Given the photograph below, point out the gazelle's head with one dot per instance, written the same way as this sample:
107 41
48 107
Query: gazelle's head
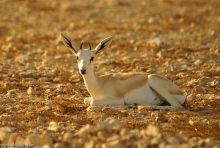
85 56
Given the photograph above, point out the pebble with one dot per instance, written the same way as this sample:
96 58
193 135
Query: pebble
4 134
191 122
153 131
12 92
198 62
53 126
39 140
156 42
31 91
68 137
84 130
115 123
13 138
41 119
163 54
199 89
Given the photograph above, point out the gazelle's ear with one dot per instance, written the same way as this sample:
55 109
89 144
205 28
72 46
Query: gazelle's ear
68 43
103 44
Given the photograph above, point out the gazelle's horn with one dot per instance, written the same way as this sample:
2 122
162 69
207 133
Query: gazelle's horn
81 44
90 47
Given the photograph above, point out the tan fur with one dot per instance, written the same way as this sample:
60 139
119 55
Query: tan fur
171 87
124 82
121 76
176 92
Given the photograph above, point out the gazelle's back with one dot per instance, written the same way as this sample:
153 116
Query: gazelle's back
123 83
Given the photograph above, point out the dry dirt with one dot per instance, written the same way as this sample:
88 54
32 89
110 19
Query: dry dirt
41 91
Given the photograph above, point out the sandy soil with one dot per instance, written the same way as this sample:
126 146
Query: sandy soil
41 91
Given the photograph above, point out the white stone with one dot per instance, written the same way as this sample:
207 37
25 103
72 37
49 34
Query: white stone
31 91
53 126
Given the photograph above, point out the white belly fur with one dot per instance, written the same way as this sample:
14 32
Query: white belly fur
142 95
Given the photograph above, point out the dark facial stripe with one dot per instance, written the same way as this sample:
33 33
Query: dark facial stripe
103 45
67 42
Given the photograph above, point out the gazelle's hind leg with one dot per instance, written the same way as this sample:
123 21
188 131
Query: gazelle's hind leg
169 91
180 98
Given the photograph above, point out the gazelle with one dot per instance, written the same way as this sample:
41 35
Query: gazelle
122 89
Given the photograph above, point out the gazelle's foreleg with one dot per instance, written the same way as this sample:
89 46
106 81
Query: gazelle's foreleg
107 101
162 86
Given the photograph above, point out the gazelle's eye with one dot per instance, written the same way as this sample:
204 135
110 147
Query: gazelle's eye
77 58
92 58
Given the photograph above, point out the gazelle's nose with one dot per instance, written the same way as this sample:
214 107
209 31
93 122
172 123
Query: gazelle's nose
83 71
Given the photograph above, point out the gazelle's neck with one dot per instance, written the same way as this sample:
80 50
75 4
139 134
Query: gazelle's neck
91 82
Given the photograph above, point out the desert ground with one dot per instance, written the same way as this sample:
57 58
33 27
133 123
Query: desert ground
41 90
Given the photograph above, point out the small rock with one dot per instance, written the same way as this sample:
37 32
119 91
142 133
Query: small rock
68 137
39 140
102 124
199 89
61 88
164 54
90 144
214 83
57 79
58 145
33 139
20 140
113 138
198 62
13 138
41 119
174 140
31 91
191 122
115 123
43 79
115 143
47 91
192 82
47 139
151 20
204 80
49 107
155 141
12 92
4 134
53 126
156 42
132 41
153 131
10 39
84 130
